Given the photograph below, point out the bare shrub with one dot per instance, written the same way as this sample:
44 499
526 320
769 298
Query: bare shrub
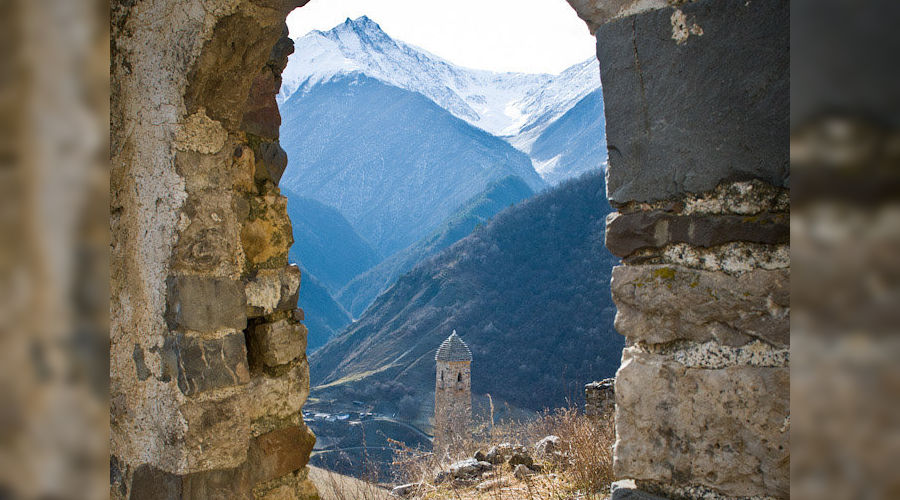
582 467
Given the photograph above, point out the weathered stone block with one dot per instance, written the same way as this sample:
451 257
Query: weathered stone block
695 96
218 484
217 433
277 343
279 452
205 304
274 399
270 290
294 486
203 364
150 483
724 429
267 235
658 304
627 233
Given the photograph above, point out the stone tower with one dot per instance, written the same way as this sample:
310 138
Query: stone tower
452 392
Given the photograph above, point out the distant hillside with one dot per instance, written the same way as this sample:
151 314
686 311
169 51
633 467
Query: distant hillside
324 316
573 144
325 243
362 290
529 293
393 162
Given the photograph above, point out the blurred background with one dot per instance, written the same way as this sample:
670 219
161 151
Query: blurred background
54 171
845 242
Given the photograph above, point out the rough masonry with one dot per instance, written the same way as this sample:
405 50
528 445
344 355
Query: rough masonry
696 96
208 363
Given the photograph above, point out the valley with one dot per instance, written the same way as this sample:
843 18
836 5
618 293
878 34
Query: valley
426 197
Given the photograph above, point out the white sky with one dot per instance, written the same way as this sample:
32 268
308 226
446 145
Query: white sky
531 36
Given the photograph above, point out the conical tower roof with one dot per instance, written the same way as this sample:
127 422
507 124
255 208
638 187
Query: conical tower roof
453 349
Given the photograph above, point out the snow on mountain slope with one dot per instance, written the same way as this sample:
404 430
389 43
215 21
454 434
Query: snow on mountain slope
503 104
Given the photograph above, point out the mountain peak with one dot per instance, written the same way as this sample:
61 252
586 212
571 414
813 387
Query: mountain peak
362 23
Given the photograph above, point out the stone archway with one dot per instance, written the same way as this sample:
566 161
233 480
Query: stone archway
208 370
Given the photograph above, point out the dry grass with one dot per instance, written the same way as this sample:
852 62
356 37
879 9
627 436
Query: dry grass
334 486
582 469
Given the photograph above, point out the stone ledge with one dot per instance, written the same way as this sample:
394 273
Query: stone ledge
658 304
627 233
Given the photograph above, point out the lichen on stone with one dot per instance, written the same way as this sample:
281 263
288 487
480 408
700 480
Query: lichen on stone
200 133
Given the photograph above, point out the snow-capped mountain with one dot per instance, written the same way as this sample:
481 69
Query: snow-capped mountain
515 106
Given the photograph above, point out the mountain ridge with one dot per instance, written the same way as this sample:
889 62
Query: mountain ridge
362 290
503 104
392 162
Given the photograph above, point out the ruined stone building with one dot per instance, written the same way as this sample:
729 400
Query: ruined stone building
208 370
452 391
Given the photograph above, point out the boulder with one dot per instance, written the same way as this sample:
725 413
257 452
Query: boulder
522 471
469 468
548 445
501 452
405 490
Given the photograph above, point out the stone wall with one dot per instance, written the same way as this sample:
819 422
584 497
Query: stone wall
600 398
208 367
696 97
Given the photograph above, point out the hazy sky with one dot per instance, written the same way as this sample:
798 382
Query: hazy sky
533 36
